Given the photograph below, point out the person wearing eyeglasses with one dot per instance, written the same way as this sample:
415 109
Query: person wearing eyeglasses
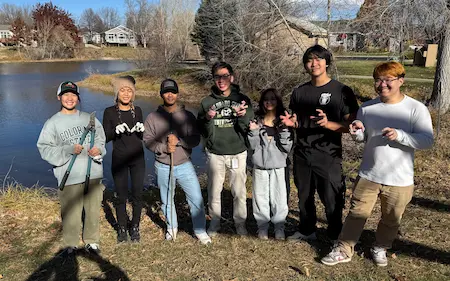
392 126
224 117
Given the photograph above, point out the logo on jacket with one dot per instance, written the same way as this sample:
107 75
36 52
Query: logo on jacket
324 98
226 112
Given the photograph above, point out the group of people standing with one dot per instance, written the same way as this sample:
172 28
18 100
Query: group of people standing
320 111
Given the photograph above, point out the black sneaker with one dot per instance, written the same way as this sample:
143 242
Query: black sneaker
92 248
122 235
134 233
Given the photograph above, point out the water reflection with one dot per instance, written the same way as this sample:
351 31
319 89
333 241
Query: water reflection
28 99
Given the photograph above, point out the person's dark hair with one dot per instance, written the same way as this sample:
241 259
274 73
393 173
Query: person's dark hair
261 112
221 64
129 78
317 51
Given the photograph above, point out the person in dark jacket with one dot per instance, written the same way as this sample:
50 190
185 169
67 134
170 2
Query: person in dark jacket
123 124
223 119
171 133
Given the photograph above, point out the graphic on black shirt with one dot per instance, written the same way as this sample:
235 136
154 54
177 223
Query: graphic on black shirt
336 100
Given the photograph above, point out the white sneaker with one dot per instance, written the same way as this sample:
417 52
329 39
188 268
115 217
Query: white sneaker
204 238
279 234
263 234
171 234
241 230
379 256
335 257
214 227
298 236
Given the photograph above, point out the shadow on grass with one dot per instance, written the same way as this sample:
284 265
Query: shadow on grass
67 269
400 247
430 204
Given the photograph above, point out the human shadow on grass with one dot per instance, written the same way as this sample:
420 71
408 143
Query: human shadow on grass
152 203
62 268
400 247
430 204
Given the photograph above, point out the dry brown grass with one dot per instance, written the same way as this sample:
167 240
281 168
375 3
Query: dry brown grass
30 234
191 90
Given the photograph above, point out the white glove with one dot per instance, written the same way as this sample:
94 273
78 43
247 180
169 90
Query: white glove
97 159
121 128
138 128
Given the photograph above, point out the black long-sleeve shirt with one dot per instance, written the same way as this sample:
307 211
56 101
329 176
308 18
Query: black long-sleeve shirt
126 146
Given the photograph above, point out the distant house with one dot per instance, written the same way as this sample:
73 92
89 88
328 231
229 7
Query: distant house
120 35
305 33
91 37
347 41
5 34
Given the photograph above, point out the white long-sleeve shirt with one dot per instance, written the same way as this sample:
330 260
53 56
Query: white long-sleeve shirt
392 162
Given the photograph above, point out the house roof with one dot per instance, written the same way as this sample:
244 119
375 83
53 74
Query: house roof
306 27
5 27
118 29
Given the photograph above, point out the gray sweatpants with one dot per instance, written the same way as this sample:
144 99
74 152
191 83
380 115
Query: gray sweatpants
269 196
73 201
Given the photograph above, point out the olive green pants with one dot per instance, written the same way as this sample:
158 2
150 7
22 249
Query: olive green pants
73 202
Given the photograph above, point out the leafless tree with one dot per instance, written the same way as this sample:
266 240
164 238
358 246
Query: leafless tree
440 98
255 37
11 12
138 17
110 17
91 22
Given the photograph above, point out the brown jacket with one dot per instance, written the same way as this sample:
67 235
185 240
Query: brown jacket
160 124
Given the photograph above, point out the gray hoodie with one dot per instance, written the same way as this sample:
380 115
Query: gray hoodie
270 154
182 123
58 136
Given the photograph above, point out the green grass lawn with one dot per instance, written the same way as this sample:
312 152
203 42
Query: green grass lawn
365 68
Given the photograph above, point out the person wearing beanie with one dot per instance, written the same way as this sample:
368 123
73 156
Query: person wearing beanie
123 123
171 134
58 142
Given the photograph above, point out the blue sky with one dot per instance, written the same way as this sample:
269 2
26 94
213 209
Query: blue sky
75 7
341 8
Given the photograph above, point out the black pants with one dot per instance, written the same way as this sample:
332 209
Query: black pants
324 174
120 168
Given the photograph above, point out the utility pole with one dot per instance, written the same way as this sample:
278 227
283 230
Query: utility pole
328 22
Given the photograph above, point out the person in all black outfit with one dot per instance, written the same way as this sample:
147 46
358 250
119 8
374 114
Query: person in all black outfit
322 110
123 124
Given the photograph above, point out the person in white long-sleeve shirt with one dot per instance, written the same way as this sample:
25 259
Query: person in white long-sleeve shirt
392 126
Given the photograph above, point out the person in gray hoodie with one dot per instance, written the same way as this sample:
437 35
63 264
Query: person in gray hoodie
57 143
171 134
271 143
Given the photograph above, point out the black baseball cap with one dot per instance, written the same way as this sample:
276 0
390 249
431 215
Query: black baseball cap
67 86
168 85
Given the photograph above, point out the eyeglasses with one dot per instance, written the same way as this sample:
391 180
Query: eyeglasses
222 77
387 81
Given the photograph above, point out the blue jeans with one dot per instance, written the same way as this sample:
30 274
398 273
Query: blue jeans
187 178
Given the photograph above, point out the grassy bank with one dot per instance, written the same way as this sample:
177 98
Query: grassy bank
191 89
365 68
31 238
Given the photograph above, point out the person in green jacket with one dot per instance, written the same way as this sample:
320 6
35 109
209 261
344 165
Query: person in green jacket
223 118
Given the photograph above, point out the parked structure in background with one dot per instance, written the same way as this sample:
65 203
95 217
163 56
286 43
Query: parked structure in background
5 35
120 36
426 55
91 37
347 41
305 32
